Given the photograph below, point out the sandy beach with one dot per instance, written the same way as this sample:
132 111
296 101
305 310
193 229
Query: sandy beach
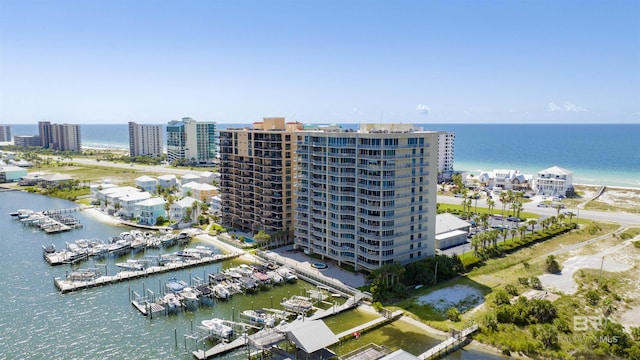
102 217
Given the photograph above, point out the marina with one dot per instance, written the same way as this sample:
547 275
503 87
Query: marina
65 285
49 221
102 322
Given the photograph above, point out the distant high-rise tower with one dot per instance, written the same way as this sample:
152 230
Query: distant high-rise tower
192 142
368 197
5 133
445 155
60 136
145 140
257 171
44 129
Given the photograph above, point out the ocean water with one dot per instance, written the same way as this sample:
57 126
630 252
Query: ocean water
601 154
38 322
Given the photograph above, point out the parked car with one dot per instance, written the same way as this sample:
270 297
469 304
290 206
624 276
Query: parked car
514 219
543 205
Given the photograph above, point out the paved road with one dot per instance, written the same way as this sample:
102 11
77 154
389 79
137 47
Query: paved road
147 168
615 217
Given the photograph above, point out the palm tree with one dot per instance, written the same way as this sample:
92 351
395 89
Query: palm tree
476 195
532 223
522 229
503 200
475 243
558 207
491 204
561 218
513 233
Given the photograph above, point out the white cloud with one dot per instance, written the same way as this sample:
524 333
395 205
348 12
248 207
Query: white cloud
423 109
571 107
554 107
566 107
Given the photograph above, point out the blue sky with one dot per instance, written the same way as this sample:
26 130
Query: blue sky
320 61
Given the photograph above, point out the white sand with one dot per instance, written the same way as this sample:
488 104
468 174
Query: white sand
102 217
564 281
461 297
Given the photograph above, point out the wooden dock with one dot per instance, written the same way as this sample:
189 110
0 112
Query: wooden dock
448 345
355 331
66 286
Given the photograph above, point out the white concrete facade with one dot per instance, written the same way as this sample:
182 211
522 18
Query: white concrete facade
367 197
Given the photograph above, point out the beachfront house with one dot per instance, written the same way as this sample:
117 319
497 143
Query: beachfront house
167 181
450 231
127 204
187 178
505 179
184 211
146 183
53 180
216 205
202 192
554 181
107 197
149 210
206 177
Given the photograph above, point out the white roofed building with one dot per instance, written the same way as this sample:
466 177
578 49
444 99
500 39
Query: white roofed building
167 181
202 192
187 178
554 181
450 231
146 183
127 204
184 210
505 179
148 211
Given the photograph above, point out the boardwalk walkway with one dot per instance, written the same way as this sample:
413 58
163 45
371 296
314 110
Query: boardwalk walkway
368 325
65 285
448 345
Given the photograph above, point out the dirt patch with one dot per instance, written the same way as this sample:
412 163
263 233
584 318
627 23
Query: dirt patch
629 318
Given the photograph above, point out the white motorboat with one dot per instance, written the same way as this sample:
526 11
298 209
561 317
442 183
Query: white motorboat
221 292
287 274
218 328
130 265
260 317
275 277
171 301
189 298
297 304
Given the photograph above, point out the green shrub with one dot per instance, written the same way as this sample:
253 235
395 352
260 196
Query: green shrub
453 314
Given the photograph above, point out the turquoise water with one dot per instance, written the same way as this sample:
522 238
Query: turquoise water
38 322
603 154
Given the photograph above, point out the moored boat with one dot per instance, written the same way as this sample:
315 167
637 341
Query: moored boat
217 328
260 317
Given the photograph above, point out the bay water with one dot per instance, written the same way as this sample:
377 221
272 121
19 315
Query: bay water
38 322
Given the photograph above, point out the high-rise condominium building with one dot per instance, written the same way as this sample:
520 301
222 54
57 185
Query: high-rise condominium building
367 197
5 133
145 140
60 136
257 168
445 155
191 142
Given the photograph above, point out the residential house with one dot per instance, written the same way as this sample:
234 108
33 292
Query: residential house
149 210
146 183
180 209
128 204
187 178
505 179
202 192
206 177
167 181
554 181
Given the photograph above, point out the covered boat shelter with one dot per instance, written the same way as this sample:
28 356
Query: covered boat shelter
313 338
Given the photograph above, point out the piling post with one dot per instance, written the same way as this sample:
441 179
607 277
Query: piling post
129 293
175 336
